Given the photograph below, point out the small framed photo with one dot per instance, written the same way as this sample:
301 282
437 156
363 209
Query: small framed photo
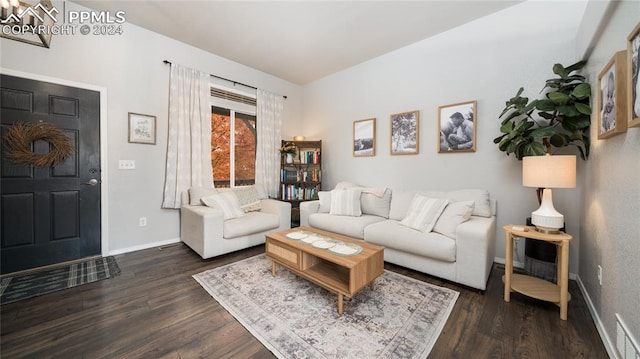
457 127
633 78
142 128
364 138
404 133
612 97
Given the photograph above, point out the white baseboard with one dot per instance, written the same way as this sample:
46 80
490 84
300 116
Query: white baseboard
144 246
606 340
520 265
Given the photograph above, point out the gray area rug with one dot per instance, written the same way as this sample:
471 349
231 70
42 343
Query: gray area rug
32 284
294 318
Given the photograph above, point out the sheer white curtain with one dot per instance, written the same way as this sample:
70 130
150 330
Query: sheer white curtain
189 142
269 123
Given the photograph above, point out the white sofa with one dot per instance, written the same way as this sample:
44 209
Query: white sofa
206 231
464 255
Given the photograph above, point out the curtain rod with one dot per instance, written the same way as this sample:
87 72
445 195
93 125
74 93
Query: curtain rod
225 79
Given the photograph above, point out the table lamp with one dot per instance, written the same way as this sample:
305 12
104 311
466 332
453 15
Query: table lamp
548 172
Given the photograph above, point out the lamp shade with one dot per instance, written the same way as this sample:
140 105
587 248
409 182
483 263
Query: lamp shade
549 171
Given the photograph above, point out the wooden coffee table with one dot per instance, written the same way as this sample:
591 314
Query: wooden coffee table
341 274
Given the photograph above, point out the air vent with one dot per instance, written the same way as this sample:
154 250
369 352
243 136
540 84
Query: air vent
232 96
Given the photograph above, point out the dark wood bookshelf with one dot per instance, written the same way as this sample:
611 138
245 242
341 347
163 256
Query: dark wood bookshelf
301 179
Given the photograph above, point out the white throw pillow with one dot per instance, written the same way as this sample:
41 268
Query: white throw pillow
227 202
480 197
423 213
454 214
248 197
345 202
325 201
377 206
196 194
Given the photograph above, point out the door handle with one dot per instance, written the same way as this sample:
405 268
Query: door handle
92 182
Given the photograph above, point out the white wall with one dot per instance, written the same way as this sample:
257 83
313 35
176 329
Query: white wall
130 67
486 60
610 230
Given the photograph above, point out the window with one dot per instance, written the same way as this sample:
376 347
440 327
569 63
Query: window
231 129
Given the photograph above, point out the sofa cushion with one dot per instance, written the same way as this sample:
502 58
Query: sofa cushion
392 234
454 214
325 201
345 202
196 194
250 223
423 213
349 226
227 202
401 200
481 208
371 203
248 197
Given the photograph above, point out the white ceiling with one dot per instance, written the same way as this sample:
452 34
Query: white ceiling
299 41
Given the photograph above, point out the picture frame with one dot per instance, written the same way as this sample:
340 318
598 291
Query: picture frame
633 77
364 138
142 128
405 129
457 127
611 97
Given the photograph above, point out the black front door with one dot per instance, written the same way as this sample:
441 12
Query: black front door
50 214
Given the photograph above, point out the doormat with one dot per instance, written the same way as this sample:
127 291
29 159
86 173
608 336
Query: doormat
33 284
294 318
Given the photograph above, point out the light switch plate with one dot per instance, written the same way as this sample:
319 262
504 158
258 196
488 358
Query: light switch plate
127 164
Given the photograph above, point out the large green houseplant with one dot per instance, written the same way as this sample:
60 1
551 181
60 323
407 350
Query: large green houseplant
561 118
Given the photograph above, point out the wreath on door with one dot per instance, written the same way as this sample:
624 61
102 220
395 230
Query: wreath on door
18 141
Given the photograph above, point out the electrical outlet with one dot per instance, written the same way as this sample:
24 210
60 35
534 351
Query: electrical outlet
143 221
599 274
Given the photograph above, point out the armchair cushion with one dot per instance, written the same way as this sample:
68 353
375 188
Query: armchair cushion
252 222
197 193
248 197
225 201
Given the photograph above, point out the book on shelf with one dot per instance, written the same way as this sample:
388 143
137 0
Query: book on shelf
294 192
310 156
294 175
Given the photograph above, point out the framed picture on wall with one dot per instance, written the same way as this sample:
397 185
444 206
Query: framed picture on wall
364 138
612 98
457 127
142 128
633 80
404 133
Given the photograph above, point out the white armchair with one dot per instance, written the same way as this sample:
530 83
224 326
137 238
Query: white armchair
205 230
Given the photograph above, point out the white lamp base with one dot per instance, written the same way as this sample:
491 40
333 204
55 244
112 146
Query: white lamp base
546 218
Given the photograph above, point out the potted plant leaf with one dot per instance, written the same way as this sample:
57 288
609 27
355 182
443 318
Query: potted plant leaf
560 118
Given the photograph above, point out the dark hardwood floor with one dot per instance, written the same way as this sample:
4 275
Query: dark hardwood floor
154 309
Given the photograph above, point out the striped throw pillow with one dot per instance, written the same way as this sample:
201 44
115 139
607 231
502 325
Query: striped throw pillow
423 213
345 202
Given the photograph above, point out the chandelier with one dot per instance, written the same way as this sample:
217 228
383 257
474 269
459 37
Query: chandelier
29 23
